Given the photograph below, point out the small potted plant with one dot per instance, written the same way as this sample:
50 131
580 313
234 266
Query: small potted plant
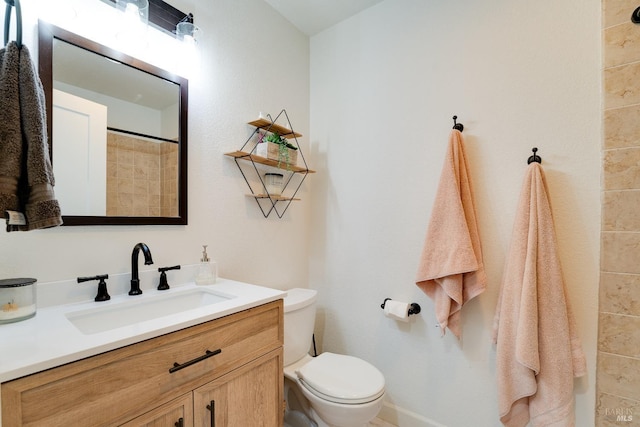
275 147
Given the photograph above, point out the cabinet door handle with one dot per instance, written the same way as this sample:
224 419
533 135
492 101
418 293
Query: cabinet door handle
179 423
212 408
177 366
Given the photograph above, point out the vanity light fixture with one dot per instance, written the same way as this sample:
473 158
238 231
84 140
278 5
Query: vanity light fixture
133 23
135 12
187 31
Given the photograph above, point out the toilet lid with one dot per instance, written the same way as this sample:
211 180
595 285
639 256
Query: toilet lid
342 379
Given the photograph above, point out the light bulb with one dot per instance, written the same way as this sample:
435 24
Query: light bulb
132 10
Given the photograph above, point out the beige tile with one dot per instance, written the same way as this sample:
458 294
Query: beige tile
141 188
142 146
112 150
169 147
621 44
125 204
620 210
154 161
112 169
125 171
125 143
141 205
620 252
153 172
140 172
617 11
112 203
125 186
112 186
140 158
154 201
125 157
154 187
619 375
621 171
170 186
620 293
614 411
621 86
622 127
619 334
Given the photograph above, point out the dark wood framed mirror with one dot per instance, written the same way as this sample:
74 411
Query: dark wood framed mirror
117 133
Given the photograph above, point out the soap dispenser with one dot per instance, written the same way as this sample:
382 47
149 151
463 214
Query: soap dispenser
207 272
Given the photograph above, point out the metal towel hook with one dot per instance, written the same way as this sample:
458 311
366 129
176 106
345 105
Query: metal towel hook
7 21
535 157
457 126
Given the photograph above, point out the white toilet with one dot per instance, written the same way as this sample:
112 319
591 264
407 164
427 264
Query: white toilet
333 390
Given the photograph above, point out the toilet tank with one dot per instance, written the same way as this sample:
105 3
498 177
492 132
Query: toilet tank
299 319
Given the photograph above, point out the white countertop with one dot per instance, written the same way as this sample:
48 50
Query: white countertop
49 339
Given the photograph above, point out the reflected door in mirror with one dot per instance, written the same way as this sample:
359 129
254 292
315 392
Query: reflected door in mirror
80 156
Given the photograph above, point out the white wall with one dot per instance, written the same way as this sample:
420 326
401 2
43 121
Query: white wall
384 86
237 78
123 114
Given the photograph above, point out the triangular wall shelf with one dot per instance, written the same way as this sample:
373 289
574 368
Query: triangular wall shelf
293 174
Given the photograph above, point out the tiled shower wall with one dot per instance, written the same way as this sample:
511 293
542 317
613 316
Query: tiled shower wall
618 370
141 177
169 179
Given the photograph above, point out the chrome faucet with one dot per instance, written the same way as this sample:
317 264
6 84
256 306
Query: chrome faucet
135 281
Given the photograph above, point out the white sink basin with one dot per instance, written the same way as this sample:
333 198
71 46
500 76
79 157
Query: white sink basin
142 308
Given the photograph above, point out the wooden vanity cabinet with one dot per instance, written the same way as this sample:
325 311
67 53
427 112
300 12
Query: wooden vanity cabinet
238 398
235 361
177 413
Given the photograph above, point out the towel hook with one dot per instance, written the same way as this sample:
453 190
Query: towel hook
457 126
7 21
535 157
635 16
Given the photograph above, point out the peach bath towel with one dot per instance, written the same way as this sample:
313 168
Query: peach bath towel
538 350
451 271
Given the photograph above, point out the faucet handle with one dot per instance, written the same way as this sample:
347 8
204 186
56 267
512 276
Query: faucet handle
164 285
103 294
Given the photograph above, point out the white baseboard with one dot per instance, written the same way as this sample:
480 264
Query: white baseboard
404 418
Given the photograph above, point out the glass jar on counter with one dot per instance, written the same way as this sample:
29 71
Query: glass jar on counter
17 299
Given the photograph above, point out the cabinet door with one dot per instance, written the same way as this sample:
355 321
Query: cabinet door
177 413
250 396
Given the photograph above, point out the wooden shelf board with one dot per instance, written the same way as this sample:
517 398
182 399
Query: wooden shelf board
275 128
273 197
269 162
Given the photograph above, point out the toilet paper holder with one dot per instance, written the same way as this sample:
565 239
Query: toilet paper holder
414 308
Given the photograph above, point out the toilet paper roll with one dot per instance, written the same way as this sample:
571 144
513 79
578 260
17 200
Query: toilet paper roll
397 310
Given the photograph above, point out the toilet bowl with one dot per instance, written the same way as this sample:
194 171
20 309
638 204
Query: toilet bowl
337 390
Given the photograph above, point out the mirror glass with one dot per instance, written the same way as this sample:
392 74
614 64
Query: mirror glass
117 132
